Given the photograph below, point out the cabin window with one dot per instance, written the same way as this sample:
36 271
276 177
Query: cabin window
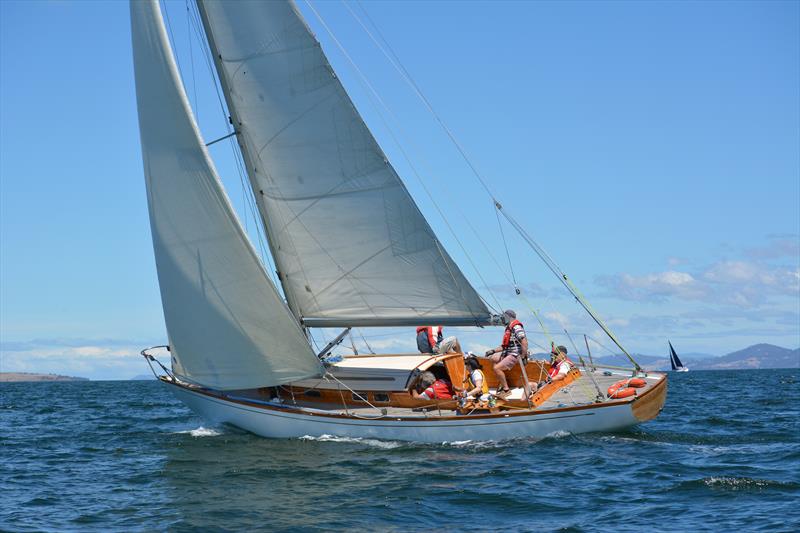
359 396
381 397
312 393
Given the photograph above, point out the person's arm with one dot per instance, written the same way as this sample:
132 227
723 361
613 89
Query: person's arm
494 351
420 396
432 339
524 344
427 394
478 380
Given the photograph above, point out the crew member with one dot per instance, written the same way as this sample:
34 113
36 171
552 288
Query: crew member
428 387
560 365
506 356
477 385
430 339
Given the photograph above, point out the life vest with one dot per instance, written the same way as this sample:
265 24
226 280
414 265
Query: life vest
554 369
484 383
507 335
434 337
440 390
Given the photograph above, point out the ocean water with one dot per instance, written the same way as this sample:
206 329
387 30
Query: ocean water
724 455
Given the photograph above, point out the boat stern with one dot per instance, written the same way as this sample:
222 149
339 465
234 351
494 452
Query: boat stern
648 405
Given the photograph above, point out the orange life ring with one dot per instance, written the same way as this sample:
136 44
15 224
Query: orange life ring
621 393
625 387
631 382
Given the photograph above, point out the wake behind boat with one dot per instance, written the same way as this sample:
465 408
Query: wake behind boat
351 248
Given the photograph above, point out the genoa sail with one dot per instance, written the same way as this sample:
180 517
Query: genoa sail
673 358
351 246
228 327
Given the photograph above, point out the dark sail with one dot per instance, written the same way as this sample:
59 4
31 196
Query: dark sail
673 358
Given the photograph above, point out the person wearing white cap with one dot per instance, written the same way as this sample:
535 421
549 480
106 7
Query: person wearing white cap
514 346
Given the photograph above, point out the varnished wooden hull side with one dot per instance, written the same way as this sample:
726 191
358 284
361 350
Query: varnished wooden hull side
649 405
287 422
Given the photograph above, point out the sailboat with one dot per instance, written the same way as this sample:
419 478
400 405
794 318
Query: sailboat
674 361
351 249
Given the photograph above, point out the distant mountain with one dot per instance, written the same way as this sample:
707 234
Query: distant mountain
27 376
756 356
143 377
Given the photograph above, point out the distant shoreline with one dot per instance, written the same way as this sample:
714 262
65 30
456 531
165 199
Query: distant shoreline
16 377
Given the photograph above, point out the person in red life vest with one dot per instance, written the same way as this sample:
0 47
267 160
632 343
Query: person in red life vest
430 339
506 356
428 387
559 364
559 368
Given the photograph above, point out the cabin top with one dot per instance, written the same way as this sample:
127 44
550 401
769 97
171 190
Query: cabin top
392 361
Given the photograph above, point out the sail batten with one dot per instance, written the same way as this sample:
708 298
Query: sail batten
349 243
228 327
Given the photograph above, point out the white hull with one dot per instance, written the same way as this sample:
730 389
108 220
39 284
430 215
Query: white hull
277 422
682 369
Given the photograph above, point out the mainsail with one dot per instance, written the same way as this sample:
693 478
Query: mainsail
350 244
228 326
673 358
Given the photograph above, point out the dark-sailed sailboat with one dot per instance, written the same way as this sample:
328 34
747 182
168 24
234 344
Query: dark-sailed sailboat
674 361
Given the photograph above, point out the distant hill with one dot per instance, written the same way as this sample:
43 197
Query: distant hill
756 356
143 377
27 376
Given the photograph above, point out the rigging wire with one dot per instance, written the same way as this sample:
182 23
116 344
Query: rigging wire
172 40
567 283
191 61
508 253
395 61
363 338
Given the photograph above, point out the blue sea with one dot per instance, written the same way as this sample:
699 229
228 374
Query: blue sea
724 455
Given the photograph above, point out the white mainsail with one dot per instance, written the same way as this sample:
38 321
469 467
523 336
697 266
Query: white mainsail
350 244
228 326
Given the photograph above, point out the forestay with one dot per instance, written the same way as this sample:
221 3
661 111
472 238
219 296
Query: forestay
350 244
228 326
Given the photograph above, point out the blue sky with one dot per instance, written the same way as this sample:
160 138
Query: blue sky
651 148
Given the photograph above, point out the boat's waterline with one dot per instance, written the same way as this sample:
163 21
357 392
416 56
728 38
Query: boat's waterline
279 422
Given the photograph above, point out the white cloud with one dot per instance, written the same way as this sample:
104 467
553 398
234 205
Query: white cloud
741 283
558 318
105 360
655 286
